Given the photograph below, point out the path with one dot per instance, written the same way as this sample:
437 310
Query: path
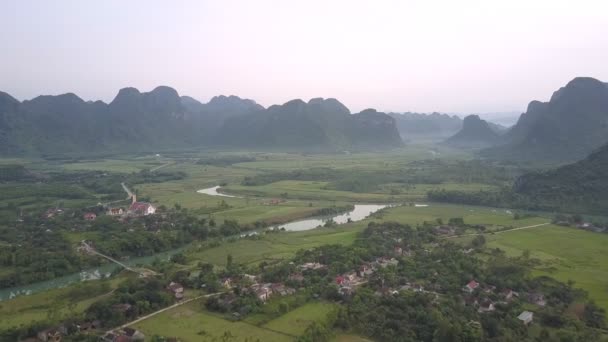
92 250
500 231
161 166
165 309
129 193
141 272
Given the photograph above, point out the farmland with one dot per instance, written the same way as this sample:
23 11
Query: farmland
566 253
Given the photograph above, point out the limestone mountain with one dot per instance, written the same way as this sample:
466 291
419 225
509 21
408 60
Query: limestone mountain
572 124
432 127
475 132
161 119
313 125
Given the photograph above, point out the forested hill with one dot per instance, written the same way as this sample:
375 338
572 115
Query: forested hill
319 123
161 119
475 132
578 187
434 126
567 128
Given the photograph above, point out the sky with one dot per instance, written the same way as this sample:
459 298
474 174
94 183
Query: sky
430 55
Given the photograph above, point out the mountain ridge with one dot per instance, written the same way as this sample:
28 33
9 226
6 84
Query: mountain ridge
162 119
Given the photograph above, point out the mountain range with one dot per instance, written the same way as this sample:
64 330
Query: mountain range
567 128
430 127
161 119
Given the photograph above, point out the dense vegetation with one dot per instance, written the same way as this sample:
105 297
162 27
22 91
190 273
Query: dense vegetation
432 171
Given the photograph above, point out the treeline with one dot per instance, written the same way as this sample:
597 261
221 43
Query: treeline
421 172
13 173
507 198
38 248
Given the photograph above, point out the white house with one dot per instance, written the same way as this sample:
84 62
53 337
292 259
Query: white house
526 317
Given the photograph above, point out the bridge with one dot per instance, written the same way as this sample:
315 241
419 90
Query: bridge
143 272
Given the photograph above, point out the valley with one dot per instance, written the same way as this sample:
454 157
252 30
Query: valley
248 192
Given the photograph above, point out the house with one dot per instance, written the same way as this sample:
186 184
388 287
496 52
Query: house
297 277
141 208
250 277
124 307
227 283
445 230
471 301
398 251
471 286
365 270
346 290
385 262
417 288
340 280
90 216
486 306
52 212
526 317
508 294
109 337
86 326
50 335
311 266
133 334
115 212
537 298
351 276
262 294
177 289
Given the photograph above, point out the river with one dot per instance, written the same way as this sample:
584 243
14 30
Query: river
360 212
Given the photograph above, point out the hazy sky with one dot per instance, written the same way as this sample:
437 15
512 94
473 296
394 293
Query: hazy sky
451 56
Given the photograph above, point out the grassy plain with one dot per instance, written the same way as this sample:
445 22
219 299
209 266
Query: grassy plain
296 321
191 323
48 305
567 254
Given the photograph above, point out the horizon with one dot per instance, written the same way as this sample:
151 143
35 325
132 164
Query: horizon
475 57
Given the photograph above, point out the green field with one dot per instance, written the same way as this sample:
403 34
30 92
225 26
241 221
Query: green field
274 246
568 254
52 304
296 321
190 323
283 245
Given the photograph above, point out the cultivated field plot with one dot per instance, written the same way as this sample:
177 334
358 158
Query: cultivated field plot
296 321
190 323
568 254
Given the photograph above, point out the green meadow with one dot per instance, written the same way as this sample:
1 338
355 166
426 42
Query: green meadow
191 323
567 254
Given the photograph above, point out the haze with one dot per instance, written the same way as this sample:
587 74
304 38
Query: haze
451 56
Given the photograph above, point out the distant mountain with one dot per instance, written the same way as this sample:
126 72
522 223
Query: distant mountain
578 187
317 124
504 119
568 127
161 119
475 133
418 126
